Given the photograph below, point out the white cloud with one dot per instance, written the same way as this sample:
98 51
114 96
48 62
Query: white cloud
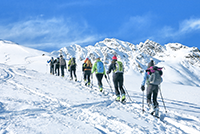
185 27
190 25
146 27
50 32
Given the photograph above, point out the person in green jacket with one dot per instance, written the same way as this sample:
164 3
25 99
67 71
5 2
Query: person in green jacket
99 69
72 68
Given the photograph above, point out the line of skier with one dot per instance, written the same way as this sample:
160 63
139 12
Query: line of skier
152 81
98 69
59 64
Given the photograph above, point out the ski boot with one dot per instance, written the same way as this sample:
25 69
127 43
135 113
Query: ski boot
117 99
156 109
88 84
151 109
85 82
101 89
75 79
123 98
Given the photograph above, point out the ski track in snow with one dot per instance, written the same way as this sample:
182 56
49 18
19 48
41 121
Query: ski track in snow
100 112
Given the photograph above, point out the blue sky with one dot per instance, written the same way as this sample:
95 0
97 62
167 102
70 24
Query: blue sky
52 24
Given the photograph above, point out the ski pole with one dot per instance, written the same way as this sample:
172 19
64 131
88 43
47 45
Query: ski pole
162 100
128 94
143 102
109 85
108 77
92 80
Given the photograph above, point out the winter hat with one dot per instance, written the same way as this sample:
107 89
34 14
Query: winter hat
86 60
151 63
114 57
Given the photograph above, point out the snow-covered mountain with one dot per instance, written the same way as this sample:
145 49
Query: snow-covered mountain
172 57
32 101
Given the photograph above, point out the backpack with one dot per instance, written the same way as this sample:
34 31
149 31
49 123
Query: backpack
155 75
88 64
73 62
57 62
52 62
62 62
119 67
100 67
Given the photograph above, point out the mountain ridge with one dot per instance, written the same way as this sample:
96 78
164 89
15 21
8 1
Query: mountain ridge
136 57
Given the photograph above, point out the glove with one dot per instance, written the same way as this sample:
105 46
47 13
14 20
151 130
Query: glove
142 88
105 76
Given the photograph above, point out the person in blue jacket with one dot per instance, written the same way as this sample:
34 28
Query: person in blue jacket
51 61
151 89
99 69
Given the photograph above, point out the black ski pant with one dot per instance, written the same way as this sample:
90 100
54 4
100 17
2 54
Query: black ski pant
62 70
72 70
87 75
57 70
118 81
152 90
52 69
99 79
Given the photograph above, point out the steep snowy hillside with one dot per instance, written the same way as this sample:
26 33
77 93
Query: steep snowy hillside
13 54
33 101
177 59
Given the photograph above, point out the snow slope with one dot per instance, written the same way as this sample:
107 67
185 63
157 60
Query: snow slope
33 101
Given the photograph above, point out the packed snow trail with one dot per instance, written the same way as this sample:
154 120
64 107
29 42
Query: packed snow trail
32 102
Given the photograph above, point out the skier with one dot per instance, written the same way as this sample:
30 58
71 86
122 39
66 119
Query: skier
62 65
100 71
86 68
72 68
118 71
51 61
57 65
152 89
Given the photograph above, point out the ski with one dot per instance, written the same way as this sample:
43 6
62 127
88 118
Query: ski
153 114
123 102
103 92
158 117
